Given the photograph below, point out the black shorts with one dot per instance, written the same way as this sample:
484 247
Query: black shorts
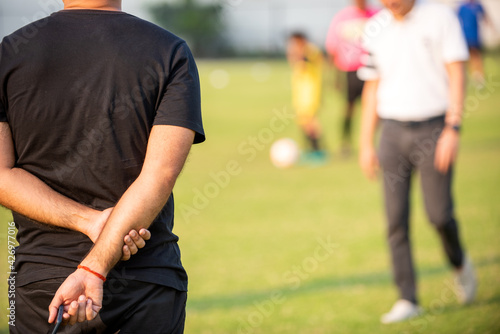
130 307
354 86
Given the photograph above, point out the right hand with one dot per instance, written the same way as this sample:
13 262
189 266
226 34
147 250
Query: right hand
369 163
81 294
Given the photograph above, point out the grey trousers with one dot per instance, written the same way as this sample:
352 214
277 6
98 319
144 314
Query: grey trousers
404 148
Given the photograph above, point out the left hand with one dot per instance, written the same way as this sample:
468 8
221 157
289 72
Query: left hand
446 150
369 162
133 242
81 293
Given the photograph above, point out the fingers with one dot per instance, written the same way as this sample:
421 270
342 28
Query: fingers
376 166
364 161
80 311
77 311
81 314
145 234
75 293
54 306
438 163
370 165
131 243
71 316
364 166
443 159
374 170
89 310
126 253
52 313
137 239
446 151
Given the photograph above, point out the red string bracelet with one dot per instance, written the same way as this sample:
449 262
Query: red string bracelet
92 272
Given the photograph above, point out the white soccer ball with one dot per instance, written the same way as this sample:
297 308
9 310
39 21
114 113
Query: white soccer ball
284 153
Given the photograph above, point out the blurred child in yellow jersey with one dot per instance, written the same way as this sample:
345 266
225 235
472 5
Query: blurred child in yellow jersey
306 61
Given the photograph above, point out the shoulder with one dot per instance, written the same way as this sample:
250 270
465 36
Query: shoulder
437 15
19 39
149 29
436 10
152 39
382 16
377 24
372 11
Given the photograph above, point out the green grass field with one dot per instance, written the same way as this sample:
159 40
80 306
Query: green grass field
303 250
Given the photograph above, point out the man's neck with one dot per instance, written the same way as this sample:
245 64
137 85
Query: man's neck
402 15
113 5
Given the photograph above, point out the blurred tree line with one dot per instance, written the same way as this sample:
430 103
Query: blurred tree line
200 25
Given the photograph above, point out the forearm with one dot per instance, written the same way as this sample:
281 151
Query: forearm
369 118
137 208
456 74
145 198
24 193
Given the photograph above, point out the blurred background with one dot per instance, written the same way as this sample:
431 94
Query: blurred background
226 28
251 233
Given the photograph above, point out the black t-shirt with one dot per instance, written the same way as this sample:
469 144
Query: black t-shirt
81 91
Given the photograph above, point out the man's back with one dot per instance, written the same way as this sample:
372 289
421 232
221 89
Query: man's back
81 95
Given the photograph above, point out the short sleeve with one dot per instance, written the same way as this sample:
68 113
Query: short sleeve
181 102
481 11
3 109
3 114
460 12
453 45
368 70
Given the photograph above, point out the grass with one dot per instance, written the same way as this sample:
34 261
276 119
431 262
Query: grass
253 237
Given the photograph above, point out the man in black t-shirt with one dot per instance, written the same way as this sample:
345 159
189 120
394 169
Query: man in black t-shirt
98 111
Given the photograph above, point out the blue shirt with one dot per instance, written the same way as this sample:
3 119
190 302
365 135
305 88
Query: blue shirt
470 13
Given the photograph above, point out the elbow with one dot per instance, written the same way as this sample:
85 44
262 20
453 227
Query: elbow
166 179
4 173
161 182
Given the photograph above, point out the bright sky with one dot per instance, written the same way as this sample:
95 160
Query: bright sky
252 22
14 14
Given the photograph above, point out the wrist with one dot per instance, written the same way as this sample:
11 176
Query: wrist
92 262
454 118
455 127
92 272
83 219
